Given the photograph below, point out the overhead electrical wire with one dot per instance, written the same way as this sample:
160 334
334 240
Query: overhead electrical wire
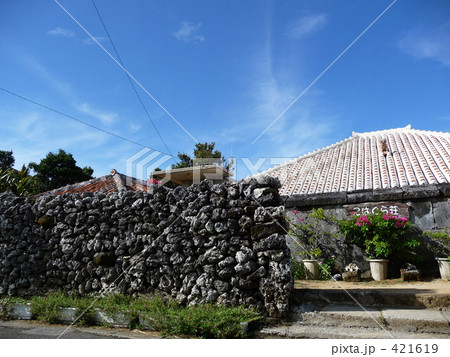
131 76
323 72
80 121
129 79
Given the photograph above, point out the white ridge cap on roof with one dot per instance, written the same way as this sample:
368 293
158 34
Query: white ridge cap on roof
380 132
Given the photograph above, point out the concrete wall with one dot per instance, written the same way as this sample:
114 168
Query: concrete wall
429 206
205 243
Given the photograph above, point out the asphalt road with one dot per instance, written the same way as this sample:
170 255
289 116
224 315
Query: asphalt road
20 329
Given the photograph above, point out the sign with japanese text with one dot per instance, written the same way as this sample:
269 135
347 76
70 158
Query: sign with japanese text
395 208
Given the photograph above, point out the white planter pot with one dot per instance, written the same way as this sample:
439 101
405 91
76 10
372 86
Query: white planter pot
312 269
444 268
117 319
20 311
379 268
68 315
147 323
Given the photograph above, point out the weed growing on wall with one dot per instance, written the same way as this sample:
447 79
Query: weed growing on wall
440 245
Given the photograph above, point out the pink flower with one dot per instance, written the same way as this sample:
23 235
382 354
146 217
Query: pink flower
294 211
153 181
362 220
301 219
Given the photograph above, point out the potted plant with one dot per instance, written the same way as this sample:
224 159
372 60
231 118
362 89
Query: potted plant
312 266
307 234
444 267
440 246
383 236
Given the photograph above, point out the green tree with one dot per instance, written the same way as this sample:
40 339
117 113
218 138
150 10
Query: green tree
201 151
57 170
185 161
6 160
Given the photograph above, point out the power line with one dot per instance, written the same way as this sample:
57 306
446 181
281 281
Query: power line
129 79
323 72
78 120
131 76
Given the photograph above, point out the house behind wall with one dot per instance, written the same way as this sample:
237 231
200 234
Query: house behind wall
405 171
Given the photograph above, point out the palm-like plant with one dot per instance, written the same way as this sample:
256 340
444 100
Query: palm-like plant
19 182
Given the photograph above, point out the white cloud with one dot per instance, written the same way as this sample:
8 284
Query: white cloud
43 73
306 126
134 128
89 41
106 118
61 32
188 32
33 134
306 26
427 44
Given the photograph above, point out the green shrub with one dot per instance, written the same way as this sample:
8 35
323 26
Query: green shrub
381 235
309 232
298 269
45 308
205 321
326 268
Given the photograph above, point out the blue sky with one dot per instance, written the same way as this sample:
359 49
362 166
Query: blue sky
224 70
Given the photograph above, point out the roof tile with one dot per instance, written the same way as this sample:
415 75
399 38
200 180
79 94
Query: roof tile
367 161
110 183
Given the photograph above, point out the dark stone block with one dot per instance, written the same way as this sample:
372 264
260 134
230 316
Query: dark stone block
46 222
104 259
444 188
410 275
352 276
320 199
264 230
275 241
295 201
424 191
360 196
388 195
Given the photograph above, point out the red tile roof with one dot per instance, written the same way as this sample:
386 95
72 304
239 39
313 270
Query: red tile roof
375 160
110 183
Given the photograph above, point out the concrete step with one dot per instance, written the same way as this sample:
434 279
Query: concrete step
434 294
302 331
339 320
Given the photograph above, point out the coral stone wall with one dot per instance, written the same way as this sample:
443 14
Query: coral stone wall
206 243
